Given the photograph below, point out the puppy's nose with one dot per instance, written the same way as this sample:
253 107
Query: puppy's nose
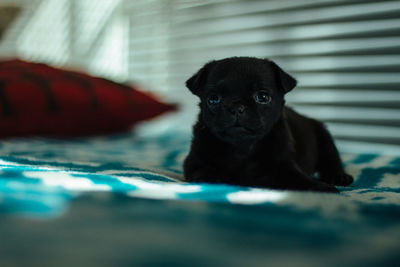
237 109
241 109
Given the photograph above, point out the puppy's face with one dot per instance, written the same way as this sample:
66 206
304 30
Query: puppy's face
241 98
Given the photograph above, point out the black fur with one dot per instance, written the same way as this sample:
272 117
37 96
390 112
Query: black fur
238 140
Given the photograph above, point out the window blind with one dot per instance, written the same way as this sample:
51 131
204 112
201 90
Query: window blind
83 34
345 55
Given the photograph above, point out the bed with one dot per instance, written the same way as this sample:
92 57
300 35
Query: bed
120 200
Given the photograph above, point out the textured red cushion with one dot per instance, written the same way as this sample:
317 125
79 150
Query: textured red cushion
36 99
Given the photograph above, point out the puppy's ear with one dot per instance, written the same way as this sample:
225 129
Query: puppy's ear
198 80
286 81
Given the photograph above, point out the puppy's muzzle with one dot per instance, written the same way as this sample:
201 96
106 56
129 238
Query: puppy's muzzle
236 109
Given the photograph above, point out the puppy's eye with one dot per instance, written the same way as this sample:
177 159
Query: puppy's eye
214 99
262 97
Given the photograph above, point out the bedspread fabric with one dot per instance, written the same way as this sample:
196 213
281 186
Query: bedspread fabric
42 179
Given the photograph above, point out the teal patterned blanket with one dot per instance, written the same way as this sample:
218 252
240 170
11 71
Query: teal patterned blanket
41 178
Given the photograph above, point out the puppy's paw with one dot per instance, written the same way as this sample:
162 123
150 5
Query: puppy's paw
342 179
195 180
345 180
322 187
202 179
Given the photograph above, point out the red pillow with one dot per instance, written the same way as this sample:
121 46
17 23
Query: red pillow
36 99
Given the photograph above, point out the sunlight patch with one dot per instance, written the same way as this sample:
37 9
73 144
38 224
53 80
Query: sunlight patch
67 181
255 196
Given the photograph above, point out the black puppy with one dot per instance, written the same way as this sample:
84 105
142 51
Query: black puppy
246 136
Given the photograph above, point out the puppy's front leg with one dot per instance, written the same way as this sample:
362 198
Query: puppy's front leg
197 170
203 176
290 176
